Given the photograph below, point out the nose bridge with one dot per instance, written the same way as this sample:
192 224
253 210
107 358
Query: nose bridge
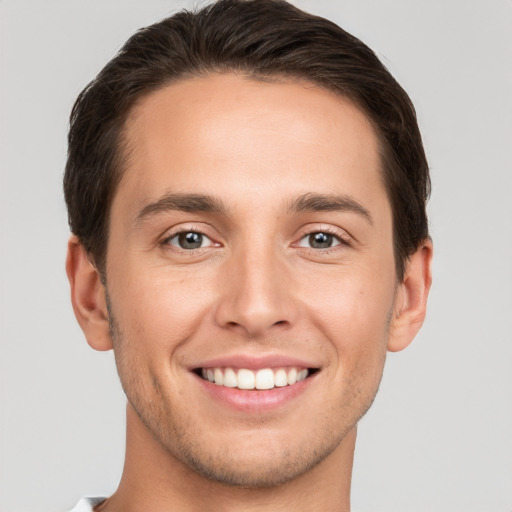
258 294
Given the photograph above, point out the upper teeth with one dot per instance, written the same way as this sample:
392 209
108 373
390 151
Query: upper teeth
265 378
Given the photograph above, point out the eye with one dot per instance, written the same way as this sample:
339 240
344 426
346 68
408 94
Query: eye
319 240
189 240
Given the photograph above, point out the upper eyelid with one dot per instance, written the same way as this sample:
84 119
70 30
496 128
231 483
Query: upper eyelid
212 243
203 229
174 234
342 243
338 232
325 232
210 232
177 233
163 240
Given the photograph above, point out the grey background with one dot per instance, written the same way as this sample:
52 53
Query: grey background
439 436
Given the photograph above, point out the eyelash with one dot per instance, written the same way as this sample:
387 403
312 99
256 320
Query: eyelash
167 241
342 241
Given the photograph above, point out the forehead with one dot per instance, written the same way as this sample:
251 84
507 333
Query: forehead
199 135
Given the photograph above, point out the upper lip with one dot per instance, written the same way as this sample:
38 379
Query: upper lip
255 362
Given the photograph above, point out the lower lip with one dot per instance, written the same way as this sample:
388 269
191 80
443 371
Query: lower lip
255 400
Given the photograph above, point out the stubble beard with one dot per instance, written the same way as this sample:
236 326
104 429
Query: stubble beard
174 432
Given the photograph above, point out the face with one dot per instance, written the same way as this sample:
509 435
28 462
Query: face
250 244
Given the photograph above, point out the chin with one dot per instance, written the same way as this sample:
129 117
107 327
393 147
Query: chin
252 476
253 459
250 467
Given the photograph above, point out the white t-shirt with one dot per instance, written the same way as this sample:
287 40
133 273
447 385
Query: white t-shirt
87 504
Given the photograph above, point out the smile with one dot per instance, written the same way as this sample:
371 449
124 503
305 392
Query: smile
262 379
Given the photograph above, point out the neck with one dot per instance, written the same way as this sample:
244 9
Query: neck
153 480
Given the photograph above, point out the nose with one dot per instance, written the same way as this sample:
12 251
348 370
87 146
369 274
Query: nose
256 294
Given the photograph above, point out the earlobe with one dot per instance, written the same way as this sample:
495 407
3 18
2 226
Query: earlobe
88 296
411 300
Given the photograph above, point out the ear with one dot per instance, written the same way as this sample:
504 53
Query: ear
411 300
88 296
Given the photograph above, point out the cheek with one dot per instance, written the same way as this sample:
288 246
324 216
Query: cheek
353 308
159 308
353 312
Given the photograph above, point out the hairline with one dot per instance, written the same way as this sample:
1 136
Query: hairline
123 149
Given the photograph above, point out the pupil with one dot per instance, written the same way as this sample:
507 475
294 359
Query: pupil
190 240
320 240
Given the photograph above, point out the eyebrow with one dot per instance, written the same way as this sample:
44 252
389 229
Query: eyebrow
200 203
181 202
323 203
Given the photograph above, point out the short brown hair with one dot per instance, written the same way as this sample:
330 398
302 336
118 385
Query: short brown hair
265 39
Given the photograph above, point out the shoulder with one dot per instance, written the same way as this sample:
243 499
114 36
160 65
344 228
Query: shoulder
87 504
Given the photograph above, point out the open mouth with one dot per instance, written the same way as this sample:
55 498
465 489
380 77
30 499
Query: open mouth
262 379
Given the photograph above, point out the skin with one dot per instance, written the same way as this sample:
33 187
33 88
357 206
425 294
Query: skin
256 287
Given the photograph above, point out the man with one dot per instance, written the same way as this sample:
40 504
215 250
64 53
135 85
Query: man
246 189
